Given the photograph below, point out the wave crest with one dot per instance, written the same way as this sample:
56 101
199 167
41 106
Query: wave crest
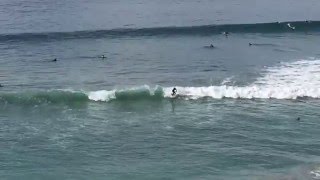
144 92
273 27
286 81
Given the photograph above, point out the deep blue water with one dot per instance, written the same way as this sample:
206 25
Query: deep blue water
246 109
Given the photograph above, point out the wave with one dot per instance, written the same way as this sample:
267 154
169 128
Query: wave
293 80
315 174
43 97
273 27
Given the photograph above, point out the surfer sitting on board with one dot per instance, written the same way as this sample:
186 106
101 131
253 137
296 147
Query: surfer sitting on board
174 91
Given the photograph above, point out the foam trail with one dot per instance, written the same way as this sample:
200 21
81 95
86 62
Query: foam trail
287 81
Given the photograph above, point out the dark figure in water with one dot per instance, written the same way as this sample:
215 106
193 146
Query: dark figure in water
250 44
211 46
174 91
1 85
54 60
298 119
226 33
103 56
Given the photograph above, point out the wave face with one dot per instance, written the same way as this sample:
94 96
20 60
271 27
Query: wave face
137 93
287 81
45 97
274 27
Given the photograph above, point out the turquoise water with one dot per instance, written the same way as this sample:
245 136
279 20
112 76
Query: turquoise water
243 111
223 139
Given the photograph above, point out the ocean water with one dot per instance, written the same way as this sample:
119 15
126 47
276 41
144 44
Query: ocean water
246 109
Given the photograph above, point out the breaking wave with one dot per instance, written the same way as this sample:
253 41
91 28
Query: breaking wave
286 81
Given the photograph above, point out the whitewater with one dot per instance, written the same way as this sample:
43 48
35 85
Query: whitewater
286 81
247 107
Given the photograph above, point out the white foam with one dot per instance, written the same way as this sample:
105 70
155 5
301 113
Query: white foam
226 81
102 95
315 173
286 81
289 25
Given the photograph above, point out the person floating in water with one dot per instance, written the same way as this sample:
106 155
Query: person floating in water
103 57
226 33
54 60
250 44
174 91
211 46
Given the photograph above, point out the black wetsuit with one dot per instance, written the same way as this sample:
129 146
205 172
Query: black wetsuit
174 91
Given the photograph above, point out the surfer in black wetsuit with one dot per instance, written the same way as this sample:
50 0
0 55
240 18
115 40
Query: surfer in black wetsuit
54 60
103 56
174 91
211 46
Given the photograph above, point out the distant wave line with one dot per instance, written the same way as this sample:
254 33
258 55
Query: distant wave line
273 27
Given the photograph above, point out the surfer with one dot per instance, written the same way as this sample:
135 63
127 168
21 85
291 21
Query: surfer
103 57
211 46
174 91
250 44
54 60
